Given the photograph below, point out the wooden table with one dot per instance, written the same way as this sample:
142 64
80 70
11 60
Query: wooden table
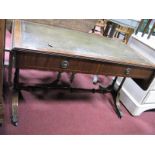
42 47
2 42
113 23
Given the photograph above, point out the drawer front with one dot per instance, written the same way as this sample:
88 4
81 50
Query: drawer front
58 63
125 71
66 64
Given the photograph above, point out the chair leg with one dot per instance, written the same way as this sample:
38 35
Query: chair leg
146 27
114 34
152 29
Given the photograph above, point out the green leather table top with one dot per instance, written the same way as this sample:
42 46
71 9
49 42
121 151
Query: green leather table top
37 37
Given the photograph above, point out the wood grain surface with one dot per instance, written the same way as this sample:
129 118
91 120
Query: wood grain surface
37 37
85 53
31 60
83 25
2 43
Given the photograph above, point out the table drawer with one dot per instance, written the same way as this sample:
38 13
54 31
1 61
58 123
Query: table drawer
58 63
67 64
125 71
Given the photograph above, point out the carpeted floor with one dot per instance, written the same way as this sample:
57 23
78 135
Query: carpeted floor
59 112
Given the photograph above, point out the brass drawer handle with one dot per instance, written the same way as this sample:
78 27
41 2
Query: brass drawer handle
64 64
127 71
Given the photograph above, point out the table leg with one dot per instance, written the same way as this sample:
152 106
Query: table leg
112 31
114 81
10 69
116 97
14 118
105 33
72 77
1 111
15 95
57 79
1 100
17 87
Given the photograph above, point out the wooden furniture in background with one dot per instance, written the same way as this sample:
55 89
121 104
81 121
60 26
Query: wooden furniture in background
101 24
139 26
117 26
110 29
42 47
144 27
125 31
2 44
151 31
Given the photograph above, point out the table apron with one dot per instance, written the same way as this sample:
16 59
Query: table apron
31 60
